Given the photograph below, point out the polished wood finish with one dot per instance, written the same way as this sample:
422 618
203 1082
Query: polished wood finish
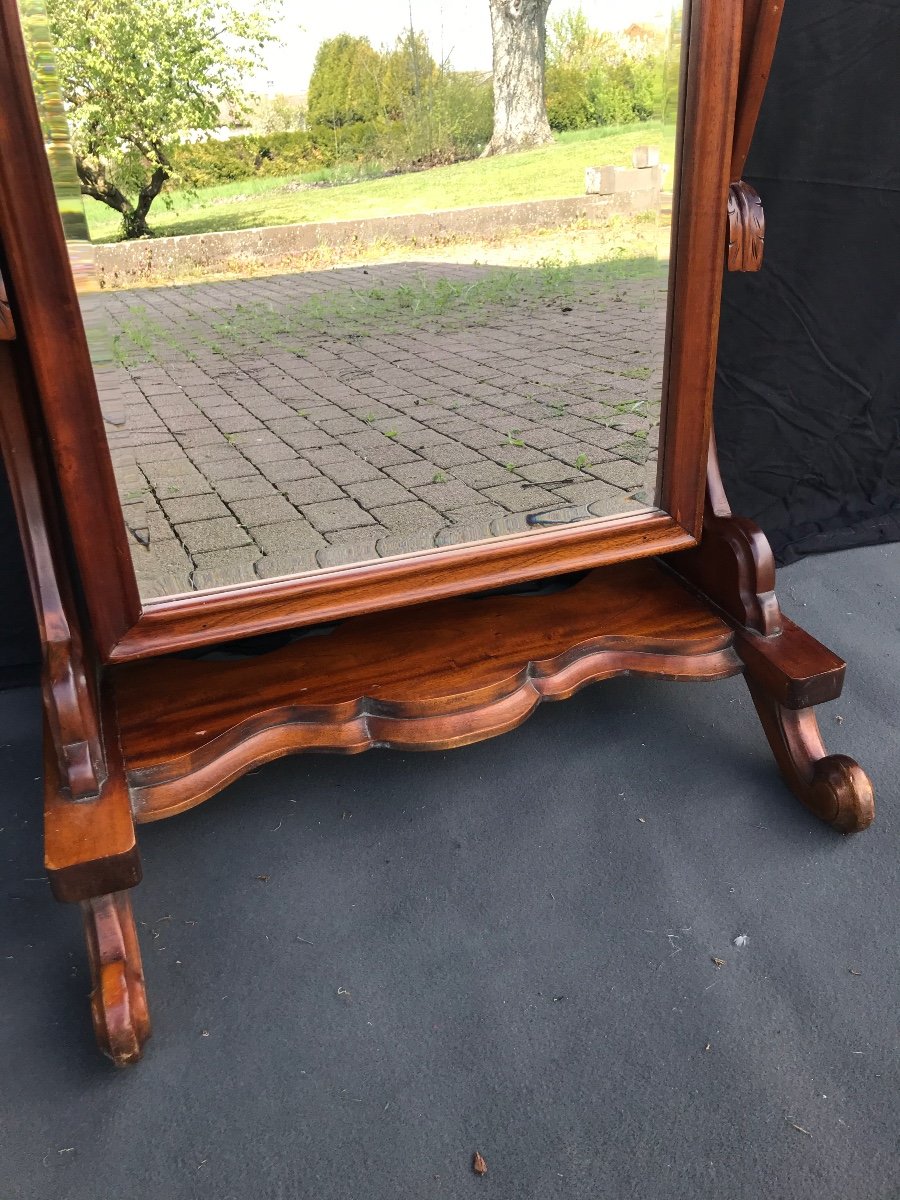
431 678
69 681
734 563
696 275
405 580
119 996
134 734
35 265
760 22
794 668
832 786
7 325
34 259
787 670
746 228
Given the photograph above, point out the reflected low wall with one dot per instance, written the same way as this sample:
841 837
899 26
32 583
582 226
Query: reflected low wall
125 264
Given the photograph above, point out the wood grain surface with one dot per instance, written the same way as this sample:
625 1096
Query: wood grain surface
440 675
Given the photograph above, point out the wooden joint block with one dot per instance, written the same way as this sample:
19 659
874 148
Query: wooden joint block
793 668
90 846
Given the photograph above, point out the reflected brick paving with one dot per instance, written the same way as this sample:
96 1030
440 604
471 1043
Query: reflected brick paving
235 465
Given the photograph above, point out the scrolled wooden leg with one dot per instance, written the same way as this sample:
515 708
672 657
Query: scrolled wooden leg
119 998
832 786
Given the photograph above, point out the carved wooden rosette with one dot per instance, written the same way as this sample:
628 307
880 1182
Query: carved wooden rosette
746 228
7 326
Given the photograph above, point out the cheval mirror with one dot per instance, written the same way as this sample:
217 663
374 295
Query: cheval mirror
389 498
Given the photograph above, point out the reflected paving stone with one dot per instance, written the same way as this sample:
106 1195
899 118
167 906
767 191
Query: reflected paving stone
480 474
430 440
218 451
590 493
390 455
342 424
269 452
509 523
273 566
220 533
181 424
199 437
326 454
338 514
193 508
635 450
158 528
307 439
570 453
393 544
221 568
179 484
415 473
449 494
344 554
614 504
265 510
411 517
377 493
350 469
622 473
151 450
315 490
247 487
539 439
238 424
368 533
601 438
549 472
475 514
162 569
555 516
287 471
457 535
520 497
287 537
227 468
516 456
458 399
255 437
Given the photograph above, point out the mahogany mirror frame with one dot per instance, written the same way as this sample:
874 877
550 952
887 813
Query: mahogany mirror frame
49 329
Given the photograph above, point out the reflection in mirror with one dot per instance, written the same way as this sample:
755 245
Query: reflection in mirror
333 318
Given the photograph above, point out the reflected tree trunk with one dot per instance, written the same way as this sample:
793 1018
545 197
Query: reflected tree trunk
519 28
95 184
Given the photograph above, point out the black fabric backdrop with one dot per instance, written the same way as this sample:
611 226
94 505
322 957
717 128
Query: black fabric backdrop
808 392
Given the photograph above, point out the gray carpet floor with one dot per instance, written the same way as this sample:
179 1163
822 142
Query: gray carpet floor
361 970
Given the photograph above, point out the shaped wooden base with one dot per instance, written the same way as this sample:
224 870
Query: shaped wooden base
430 677
433 677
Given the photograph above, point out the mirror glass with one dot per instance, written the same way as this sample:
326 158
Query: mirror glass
364 280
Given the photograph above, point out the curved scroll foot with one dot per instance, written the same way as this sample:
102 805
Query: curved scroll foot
119 998
832 786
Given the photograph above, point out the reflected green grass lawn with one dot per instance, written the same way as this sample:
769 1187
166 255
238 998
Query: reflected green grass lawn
552 171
